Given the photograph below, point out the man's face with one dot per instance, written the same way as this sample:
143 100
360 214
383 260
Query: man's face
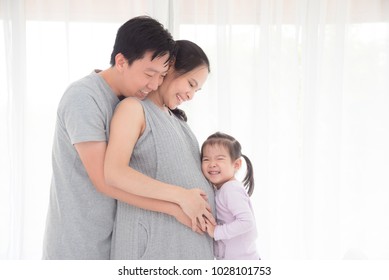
143 75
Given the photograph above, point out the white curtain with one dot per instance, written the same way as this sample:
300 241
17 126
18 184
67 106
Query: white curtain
303 84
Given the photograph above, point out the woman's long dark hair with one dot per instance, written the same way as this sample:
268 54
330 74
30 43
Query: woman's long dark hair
188 57
235 150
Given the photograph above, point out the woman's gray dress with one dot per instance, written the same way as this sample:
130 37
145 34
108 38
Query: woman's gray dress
169 152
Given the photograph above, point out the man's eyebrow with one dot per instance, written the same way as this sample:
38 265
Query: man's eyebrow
156 71
151 69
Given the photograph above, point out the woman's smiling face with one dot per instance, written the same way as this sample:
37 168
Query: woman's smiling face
178 89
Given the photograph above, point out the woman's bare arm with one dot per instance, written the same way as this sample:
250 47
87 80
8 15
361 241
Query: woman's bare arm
92 155
123 137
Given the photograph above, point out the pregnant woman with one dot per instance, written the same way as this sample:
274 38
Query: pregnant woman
154 138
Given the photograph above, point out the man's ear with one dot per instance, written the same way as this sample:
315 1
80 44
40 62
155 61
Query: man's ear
238 164
120 61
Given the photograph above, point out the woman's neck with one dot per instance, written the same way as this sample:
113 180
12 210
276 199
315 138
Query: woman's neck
156 98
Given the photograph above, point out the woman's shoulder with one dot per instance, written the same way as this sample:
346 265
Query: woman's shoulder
130 105
130 101
129 109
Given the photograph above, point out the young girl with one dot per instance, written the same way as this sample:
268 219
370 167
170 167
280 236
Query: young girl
236 231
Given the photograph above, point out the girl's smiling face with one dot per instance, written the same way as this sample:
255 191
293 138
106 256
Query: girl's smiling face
217 165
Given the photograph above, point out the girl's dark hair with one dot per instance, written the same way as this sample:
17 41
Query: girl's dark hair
188 57
235 150
141 34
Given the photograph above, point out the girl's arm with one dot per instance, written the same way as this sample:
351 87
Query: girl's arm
127 125
236 200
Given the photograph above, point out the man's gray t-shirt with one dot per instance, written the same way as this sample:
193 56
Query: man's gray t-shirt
80 219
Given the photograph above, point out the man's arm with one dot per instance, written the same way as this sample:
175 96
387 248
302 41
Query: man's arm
92 155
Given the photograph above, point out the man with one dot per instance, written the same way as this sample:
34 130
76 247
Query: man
82 207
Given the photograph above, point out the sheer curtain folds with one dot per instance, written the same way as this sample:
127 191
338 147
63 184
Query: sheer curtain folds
13 92
302 84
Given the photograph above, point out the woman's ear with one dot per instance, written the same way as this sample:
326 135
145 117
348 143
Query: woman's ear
238 164
171 70
172 62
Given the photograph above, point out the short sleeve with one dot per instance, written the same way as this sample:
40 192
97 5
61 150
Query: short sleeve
81 116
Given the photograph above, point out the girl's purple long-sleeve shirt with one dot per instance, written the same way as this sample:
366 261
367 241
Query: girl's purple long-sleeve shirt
236 232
